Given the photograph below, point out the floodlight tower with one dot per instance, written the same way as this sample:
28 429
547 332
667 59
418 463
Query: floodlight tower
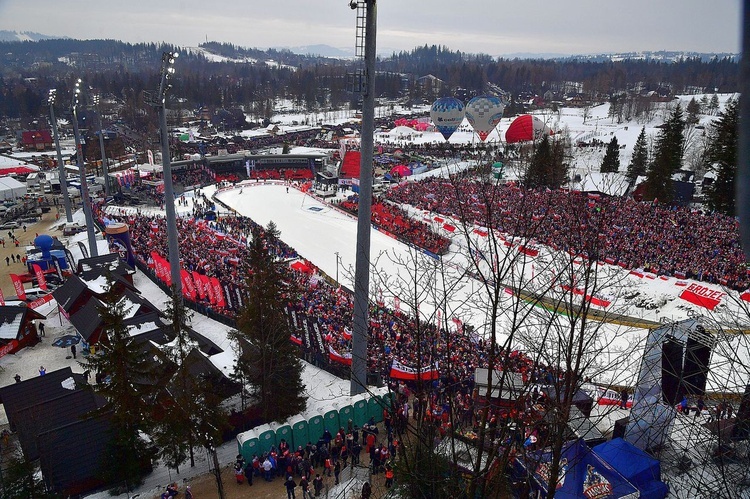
160 102
365 83
82 170
105 174
60 166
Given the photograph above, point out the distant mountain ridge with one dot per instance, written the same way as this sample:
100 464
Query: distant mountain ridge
22 36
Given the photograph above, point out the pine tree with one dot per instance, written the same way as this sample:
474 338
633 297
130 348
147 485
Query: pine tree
128 389
547 167
713 105
536 175
722 157
639 161
667 158
21 480
611 161
268 359
188 403
692 109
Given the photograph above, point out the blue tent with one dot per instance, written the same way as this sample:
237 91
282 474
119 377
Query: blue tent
583 474
636 466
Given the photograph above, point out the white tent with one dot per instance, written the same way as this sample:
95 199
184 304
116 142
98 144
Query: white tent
11 188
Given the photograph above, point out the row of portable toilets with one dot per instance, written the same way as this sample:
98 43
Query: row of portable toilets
310 425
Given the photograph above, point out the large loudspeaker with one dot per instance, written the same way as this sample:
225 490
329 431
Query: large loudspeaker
671 370
697 357
742 424
620 427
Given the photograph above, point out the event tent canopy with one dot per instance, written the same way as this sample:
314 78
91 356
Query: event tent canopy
583 473
637 466
11 188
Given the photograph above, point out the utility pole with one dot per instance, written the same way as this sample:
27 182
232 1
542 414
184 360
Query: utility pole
60 164
167 70
105 169
93 250
366 30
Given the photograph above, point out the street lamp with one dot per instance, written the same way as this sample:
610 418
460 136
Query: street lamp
167 70
60 165
82 170
101 146
337 267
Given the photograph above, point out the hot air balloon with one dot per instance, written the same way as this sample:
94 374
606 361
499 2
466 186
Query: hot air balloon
447 113
484 113
526 127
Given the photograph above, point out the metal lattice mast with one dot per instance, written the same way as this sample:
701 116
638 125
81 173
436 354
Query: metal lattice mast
365 46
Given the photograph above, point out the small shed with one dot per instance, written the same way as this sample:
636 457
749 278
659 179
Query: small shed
17 328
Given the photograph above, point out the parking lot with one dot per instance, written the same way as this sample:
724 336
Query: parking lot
41 226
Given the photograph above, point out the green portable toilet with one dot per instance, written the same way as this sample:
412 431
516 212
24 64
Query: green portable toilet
388 399
300 433
266 437
375 408
359 409
346 411
283 430
330 419
248 444
315 425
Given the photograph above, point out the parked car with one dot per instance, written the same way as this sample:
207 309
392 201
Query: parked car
72 229
9 226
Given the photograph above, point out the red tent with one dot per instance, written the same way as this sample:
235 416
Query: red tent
17 170
526 127
302 267
401 170
350 165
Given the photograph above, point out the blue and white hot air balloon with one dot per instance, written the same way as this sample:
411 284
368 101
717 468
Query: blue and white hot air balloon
484 113
447 113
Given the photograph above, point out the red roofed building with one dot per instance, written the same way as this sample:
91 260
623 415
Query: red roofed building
36 140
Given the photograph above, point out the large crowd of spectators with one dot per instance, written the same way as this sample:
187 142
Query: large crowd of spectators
219 248
397 222
666 240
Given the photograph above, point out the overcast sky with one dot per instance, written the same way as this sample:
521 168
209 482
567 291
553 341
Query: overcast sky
493 27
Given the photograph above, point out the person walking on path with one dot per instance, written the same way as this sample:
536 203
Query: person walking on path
290 484
318 484
366 490
41 329
73 350
249 472
337 471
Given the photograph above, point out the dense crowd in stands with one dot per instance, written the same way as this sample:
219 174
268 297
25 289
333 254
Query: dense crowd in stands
394 220
674 241
217 248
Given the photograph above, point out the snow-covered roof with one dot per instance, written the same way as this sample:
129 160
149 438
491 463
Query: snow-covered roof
10 325
611 184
